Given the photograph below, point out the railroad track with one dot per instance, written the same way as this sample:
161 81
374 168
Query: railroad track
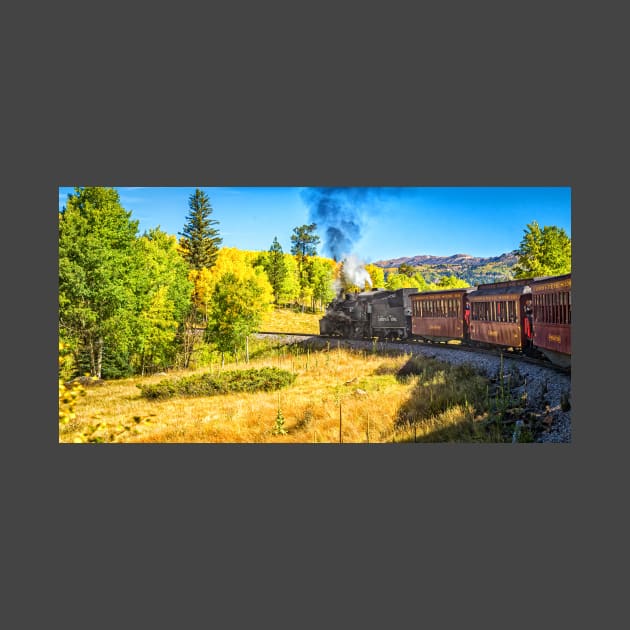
507 354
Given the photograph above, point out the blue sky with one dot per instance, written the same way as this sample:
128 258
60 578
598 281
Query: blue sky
374 223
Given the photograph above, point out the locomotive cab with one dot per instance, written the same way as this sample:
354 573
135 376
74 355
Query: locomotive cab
391 314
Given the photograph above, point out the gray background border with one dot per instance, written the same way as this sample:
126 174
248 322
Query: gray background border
315 535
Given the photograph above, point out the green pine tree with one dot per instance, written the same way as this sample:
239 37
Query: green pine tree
305 242
276 268
200 240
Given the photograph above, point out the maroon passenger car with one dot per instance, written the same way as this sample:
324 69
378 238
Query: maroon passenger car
551 299
439 315
499 313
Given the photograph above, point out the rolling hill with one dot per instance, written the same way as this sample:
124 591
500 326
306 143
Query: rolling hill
473 270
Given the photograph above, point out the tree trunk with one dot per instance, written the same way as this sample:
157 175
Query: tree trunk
188 341
92 358
99 363
246 348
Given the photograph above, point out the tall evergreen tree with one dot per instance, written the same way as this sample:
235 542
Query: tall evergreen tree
276 268
200 240
305 243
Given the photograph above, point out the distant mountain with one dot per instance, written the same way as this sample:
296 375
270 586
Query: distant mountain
472 269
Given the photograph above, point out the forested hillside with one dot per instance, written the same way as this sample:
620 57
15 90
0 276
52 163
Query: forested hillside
470 269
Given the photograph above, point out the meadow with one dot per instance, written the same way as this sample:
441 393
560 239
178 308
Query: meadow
288 320
335 395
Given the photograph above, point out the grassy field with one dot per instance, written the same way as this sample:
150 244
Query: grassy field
310 406
334 395
338 396
291 321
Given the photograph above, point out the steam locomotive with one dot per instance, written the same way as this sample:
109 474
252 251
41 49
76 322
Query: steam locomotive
530 316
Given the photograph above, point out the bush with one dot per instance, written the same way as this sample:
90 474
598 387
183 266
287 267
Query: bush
251 380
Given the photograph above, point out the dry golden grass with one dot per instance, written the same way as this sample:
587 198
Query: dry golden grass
289 321
363 386
443 427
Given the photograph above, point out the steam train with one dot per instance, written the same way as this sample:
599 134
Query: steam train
530 316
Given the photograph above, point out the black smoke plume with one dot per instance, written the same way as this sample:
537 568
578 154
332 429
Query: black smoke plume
340 214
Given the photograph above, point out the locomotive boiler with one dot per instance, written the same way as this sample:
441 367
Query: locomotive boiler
377 313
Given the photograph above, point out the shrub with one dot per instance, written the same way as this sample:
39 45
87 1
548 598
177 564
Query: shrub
251 380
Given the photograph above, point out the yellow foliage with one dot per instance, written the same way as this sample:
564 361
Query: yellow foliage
237 262
68 394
